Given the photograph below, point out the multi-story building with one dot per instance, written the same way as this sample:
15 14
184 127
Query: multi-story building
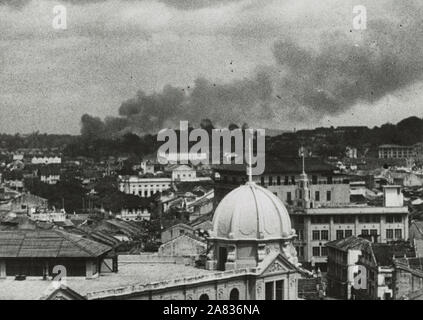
317 226
183 173
144 186
320 207
392 151
342 268
281 177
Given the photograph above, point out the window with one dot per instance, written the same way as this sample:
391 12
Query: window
274 290
270 181
316 251
317 196
324 251
393 219
278 180
325 235
365 232
286 182
375 218
348 233
279 290
269 291
339 234
373 232
234 295
343 219
389 233
398 234
320 219
316 235
328 196
204 297
262 181
288 197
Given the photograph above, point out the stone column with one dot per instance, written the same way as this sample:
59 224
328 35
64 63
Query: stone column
260 295
2 269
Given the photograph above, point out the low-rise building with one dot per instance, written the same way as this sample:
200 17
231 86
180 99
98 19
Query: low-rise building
183 173
378 259
144 186
343 254
48 215
38 253
134 214
46 160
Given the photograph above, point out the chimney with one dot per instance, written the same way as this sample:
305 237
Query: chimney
393 196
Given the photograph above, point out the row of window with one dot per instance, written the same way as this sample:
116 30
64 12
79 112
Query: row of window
320 235
345 219
341 234
320 251
390 233
274 290
393 218
280 180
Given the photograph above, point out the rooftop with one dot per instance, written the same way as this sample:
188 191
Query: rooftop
48 244
350 243
132 272
345 209
282 165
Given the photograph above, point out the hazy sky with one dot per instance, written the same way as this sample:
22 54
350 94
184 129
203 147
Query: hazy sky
114 48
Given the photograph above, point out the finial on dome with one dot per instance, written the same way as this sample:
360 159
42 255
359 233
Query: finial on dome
249 168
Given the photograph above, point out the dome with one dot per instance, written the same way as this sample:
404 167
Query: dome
251 212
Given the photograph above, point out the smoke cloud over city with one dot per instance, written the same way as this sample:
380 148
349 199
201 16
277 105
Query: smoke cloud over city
340 70
302 62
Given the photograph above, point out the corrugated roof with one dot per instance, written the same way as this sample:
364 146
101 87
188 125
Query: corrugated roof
48 244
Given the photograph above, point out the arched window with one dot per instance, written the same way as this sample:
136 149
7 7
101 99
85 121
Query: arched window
234 295
204 297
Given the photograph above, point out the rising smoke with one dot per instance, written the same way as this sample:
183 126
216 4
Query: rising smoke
344 68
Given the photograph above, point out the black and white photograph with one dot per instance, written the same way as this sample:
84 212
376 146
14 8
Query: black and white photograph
229 150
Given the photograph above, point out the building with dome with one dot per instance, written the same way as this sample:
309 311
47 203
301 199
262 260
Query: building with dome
249 224
250 256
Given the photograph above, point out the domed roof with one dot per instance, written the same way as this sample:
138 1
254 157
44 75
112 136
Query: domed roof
251 212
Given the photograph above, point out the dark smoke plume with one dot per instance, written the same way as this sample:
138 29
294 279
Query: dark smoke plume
344 68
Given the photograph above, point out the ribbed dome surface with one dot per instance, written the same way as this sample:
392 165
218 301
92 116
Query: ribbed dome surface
251 212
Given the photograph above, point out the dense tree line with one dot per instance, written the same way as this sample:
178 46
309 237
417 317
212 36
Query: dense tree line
321 141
